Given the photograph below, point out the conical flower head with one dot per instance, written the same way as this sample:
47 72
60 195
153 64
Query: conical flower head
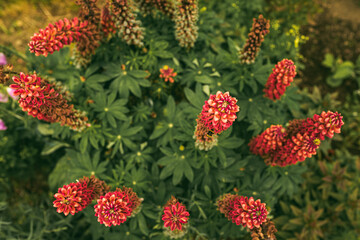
175 215
281 77
225 204
71 198
266 231
98 187
186 16
260 28
40 99
54 37
134 200
129 28
219 112
167 74
107 21
205 139
113 208
271 139
248 212
326 124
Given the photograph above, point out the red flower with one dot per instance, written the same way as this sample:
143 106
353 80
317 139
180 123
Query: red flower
248 212
326 124
40 99
282 76
71 198
115 207
271 139
175 214
300 140
74 197
167 73
53 38
219 112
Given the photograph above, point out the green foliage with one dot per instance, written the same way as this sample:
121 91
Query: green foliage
141 136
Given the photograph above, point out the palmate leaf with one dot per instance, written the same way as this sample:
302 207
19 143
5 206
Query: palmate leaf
109 108
93 135
75 165
177 165
122 136
126 81
166 129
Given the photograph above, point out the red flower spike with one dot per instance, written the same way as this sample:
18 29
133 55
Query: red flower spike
167 73
282 76
53 38
326 124
248 212
175 215
74 197
300 141
271 139
113 208
41 99
219 112
71 198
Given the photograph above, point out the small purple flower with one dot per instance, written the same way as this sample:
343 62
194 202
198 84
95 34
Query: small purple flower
2 59
11 93
2 125
3 98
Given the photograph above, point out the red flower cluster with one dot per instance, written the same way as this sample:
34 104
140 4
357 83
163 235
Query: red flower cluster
298 141
243 210
167 73
40 99
271 139
115 207
53 38
219 112
74 197
175 215
281 77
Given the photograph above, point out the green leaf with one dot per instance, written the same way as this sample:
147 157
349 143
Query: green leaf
171 107
329 60
51 147
203 79
138 73
142 224
345 70
159 130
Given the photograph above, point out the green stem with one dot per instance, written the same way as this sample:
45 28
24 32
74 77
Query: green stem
13 51
12 114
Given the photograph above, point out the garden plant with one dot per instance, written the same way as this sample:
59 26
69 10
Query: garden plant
174 119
